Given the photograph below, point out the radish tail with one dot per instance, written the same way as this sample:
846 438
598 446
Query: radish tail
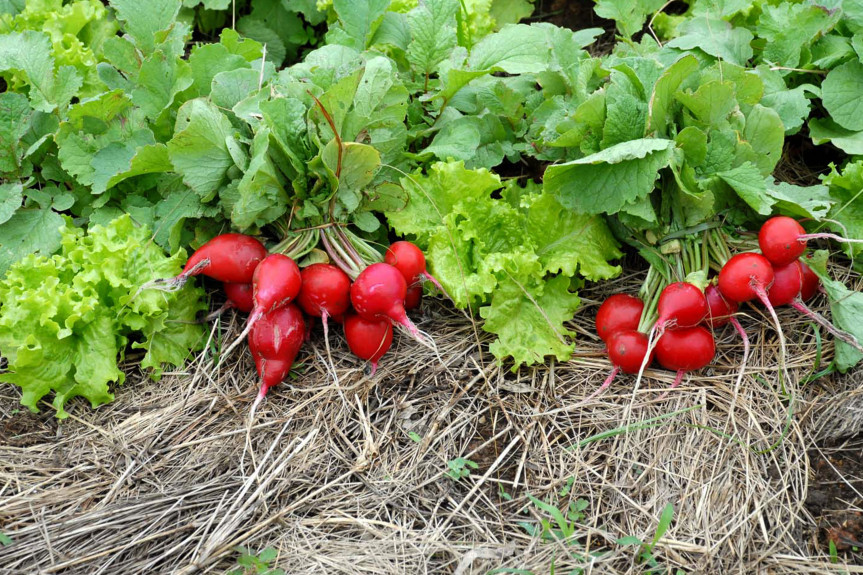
374 368
261 394
827 236
253 319
427 276
823 322
603 387
745 339
677 380
762 295
332 366
423 339
175 283
652 338
307 337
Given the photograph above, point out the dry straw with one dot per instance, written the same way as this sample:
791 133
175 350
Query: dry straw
351 477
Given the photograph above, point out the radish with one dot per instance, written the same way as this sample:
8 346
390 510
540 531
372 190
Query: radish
618 312
782 239
627 351
325 292
411 262
748 276
413 297
811 282
274 341
787 283
240 295
681 305
368 339
379 292
276 282
721 312
686 349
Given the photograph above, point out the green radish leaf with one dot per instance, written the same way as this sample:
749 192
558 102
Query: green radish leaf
840 93
846 310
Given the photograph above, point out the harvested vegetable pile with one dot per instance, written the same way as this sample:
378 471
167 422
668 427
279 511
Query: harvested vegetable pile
587 294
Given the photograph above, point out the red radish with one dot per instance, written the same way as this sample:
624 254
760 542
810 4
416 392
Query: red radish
787 283
720 312
627 350
227 258
240 295
411 262
379 292
783 239
811 282
748 276
413 297
325 292
274 341
276 282
368 339
681 304
618 312
686 349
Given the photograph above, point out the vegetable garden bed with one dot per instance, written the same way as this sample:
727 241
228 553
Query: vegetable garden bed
541 167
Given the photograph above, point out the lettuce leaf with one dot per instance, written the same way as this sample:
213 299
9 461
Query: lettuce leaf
66 320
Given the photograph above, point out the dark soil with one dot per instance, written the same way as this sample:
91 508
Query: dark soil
835 498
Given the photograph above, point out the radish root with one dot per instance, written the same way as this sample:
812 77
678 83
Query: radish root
823 322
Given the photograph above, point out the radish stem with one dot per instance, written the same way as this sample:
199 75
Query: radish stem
745 339
823 322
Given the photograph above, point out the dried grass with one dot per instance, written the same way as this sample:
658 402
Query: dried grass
167 480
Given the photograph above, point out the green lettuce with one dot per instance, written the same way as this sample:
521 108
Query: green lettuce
66 320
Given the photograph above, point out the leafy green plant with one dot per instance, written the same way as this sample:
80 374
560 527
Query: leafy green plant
66 320
459 468
645 550
251 563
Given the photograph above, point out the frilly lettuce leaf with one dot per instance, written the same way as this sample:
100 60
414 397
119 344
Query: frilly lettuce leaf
65 320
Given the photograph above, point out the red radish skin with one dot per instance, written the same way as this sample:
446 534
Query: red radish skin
413 297
721 312
748 276
617 313
811 282
274 341
240 296
227 258
782 239
368 339
275 283
627 351
686 349
325 292
681 304
787 283
411 262
379 292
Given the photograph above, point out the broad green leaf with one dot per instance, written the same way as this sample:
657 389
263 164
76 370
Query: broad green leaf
11 195
516 49
715 37
265 35
710 103
823 130
232 86
262 197
791 105
161 77
528 320
29 52
662 97
29 231
15 113
433 31
748 182
149 159
143 20
765 134
198 150
846 190
629 15
457 140
608 180
846 310
789 28
360 18
207 60
840 93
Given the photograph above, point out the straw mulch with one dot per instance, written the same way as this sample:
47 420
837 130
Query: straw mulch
351 476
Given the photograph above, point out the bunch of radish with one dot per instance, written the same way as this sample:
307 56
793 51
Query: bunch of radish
367 299
681 338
